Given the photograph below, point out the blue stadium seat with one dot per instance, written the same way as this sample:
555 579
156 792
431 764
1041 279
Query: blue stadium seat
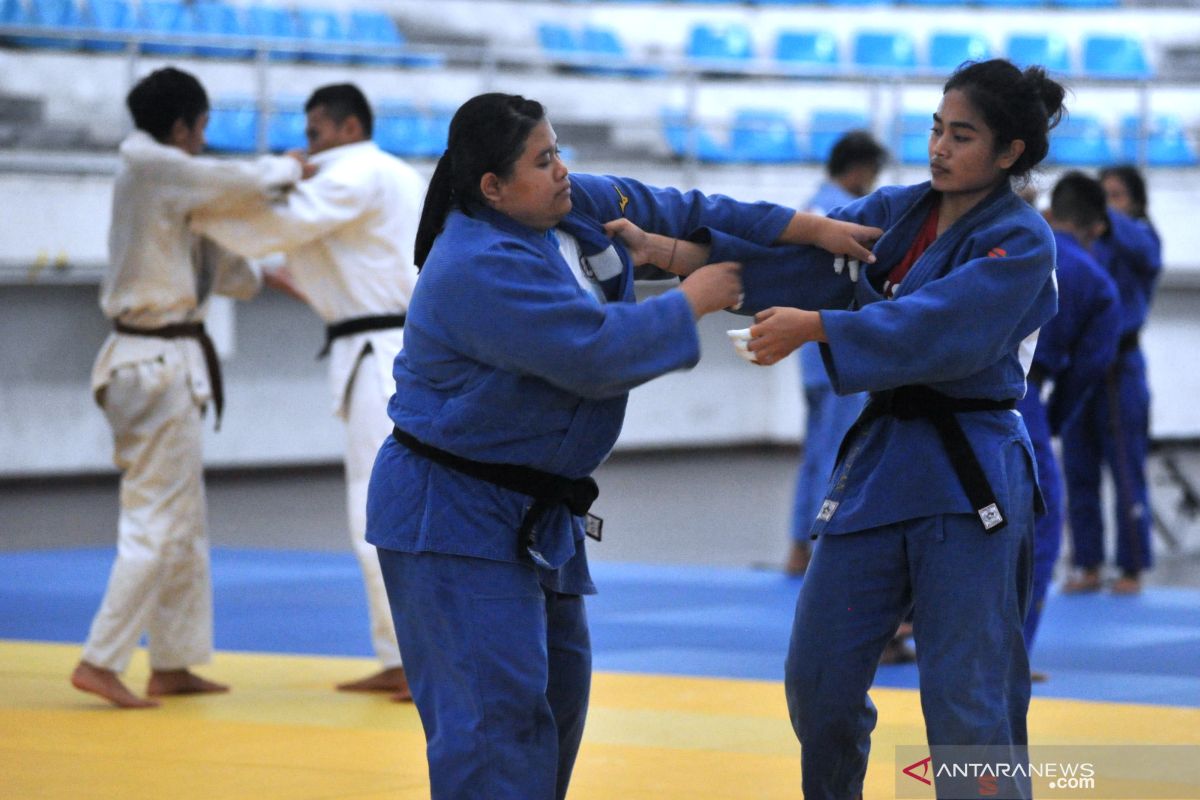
285 128
763 136
826 127
948 49
163 18
1086 3
114 17
399 129
1109 56
1012 3
272 23
321 27
375 29
810 51
1166 144
604 45
61 15
884 51
913 144
718 45
1045 49
233 127
219 19
686 139
557 41
1080 140
436 133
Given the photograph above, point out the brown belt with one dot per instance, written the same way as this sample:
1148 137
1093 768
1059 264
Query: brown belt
189 330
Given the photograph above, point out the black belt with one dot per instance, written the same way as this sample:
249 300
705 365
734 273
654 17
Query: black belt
546 488
349 327
921 402
1127 342
189 330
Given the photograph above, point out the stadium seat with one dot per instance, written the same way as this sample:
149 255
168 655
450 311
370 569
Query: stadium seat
158 19
61 15
612 57
1080 140
809 51
219 19
233 127
826 127
1086 3
285 128
1166 141
1108 56
884 51
912 146
1011 3
691 140
717 45
399 129
947 50
763 136
375 29
269 23
321 27
1045 49
558 41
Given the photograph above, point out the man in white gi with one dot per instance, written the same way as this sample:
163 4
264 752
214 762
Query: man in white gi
348 235
154 377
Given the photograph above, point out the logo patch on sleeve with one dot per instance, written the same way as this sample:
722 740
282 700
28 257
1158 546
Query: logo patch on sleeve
623 201
997 252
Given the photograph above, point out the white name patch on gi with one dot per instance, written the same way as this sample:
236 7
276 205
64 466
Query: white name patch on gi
991 517
827 509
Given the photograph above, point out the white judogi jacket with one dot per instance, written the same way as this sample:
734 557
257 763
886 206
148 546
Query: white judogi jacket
159 272
348 235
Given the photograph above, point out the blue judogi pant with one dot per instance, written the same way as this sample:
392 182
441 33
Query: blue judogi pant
500 671
969 592
1047 531
1089 441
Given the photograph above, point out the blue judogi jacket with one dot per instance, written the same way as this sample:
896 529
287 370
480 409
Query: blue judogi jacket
957 324
1132 254
1076 346
507 359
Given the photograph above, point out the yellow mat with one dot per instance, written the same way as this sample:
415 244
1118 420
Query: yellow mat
284 734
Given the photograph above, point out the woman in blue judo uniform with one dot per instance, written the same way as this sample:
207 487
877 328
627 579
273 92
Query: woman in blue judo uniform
1073 351
1114 427
931 504
521 344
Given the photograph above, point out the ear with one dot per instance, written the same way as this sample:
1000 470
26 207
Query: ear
1007 157
179 133
490 186
353 127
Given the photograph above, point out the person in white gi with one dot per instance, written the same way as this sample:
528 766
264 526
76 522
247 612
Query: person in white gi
348 235
154 377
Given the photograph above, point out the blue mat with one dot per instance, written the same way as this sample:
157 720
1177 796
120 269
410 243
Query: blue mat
649 619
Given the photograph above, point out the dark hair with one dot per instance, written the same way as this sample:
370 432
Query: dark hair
854 148
487 134
1135 184
1078 199
164 96
342 100
1015 104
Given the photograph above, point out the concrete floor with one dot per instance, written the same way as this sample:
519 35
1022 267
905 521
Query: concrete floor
719 507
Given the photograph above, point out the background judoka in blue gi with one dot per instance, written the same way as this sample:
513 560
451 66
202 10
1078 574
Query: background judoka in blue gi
515 354
1073 351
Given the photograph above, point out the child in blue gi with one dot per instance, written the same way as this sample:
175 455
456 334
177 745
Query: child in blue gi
931 504
1114 428
521 343
1073 351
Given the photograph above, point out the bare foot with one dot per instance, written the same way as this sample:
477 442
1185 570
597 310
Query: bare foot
180 681
1127 584
107 684
391 679
1087 581
403 696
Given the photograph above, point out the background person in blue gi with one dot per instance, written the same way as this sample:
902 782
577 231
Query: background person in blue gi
153 378
853 167
521 344
1073 351
1114 428
347 234
931 505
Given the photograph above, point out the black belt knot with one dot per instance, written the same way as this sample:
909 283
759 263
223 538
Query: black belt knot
546 488
349 327
921 402
189 330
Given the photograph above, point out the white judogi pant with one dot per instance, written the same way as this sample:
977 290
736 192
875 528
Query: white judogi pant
159 584
367 425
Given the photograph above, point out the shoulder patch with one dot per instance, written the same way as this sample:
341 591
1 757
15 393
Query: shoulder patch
997 252
623 200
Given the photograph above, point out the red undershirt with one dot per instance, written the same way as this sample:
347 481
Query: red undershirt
925 237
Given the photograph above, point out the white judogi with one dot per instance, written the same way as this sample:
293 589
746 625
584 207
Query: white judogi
348 235
153 391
